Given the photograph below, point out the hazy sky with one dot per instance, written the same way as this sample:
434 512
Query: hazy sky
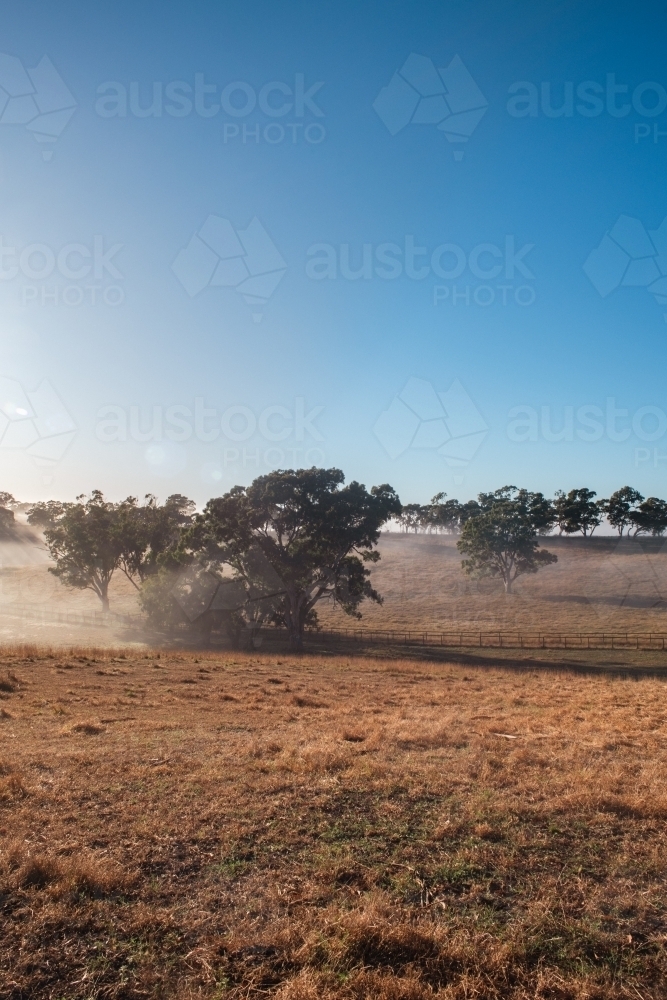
421 242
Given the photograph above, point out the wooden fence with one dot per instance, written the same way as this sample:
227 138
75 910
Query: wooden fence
499 639
459 638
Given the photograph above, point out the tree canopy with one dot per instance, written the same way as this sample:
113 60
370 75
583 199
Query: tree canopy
412 517
443 513
149 531
84 544
577 511
46 513
537 511
650 516
297 537
501 541
93 537
620 507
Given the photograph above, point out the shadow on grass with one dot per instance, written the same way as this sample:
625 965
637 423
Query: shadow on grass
626 663
621 663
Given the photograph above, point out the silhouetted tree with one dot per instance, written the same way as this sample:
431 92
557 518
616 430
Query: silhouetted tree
148 531
501 540
620 507
468 510
412 517
576 511
304 533
92 538
534 507
650 516
443 513
45 513
6 522
84 542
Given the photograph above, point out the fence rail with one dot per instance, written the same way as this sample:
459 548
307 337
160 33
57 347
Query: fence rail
461 638
503 640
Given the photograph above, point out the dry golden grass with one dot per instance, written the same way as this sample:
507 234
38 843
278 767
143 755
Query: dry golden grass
326 828
599 584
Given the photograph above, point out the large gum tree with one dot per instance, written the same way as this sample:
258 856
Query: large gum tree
304 533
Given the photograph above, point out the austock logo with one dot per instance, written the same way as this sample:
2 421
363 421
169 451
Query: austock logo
277 437
37 98
447 423
91 267
591 99
420 94
628 577
276 101
36 422
219 256
484 262
630 257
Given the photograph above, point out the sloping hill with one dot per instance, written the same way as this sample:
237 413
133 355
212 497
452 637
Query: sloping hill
32 599
598 584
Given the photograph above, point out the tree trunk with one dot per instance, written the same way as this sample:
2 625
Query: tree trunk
508 585
296 641
105 603
205 628
294 625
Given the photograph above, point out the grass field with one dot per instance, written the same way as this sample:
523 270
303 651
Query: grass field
598 584
235 826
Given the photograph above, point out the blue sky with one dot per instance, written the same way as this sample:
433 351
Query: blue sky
305 364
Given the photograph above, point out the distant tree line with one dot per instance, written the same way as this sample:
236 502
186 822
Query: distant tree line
272 551
570 513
